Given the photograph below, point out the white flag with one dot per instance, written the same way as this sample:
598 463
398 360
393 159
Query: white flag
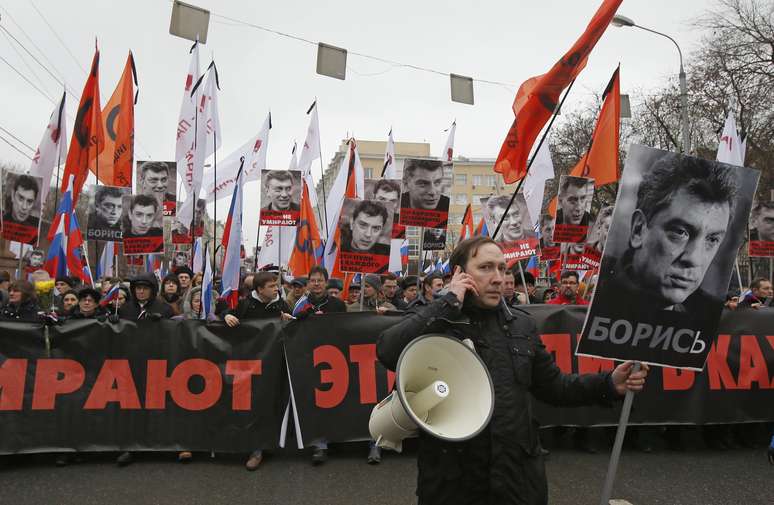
731 147
254 153
448 151
535 183
389 171
52 149
187 118
208 139
106 260
310 151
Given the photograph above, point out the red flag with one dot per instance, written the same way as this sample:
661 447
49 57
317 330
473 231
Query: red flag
306 251
601 160
466 230
88 138
114 166
538 96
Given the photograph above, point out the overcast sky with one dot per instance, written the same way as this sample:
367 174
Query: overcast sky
509 41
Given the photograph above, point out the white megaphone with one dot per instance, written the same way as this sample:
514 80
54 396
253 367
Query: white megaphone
442 387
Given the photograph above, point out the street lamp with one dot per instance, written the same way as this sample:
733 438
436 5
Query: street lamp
624 22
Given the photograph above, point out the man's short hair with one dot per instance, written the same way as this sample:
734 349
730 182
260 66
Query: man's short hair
318 269
153 166
106 191
370 208
499 201
262 278
566 274
280 175
25 181
756 284
386 185
528 277
408 281
427 282
411 166
709 182
761 205
389 276
145 201
571 180
467 249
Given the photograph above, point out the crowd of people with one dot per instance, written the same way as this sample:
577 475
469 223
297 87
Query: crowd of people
270 294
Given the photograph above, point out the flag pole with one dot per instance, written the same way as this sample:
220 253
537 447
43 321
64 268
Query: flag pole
322 176
214 187
534 155
21 259
362 290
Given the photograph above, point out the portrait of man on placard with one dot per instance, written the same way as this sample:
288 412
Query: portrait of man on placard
425 190
35 260
516 237
387 191
573 213
762 229
549 250
180 231
158 179
180 259
595 242
142 225
105 211
365 236
676 228
280 197
21 207
434 239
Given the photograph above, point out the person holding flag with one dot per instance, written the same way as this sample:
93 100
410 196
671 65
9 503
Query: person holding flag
317 301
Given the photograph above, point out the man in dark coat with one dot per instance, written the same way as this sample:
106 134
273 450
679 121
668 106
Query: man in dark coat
88 305
263 302
502 464
143 303
318 301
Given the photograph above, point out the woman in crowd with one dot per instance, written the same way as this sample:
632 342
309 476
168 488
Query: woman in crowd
69 302
22 303
170 294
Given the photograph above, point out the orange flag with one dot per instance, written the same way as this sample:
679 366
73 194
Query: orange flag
538 97
466 230
307 250
114 166
88 138
601 160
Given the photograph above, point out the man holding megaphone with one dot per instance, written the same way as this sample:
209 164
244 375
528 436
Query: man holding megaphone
501 463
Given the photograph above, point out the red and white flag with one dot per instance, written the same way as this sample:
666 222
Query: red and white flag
52 150
731 149
448 151
310 151
254 153
187 118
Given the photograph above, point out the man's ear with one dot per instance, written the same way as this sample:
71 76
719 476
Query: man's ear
639 227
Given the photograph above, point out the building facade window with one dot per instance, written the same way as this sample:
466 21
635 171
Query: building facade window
491 180
478 180
460 198
460 179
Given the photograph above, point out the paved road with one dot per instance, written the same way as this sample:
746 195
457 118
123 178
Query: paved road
699 477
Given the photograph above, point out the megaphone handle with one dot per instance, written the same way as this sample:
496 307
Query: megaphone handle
612 467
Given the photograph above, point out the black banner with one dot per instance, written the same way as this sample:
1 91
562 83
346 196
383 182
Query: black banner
186 385
151 385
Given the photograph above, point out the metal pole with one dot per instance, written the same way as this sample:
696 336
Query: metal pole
684 107
523 281
21 261
215 196
420 260
612 467
362 290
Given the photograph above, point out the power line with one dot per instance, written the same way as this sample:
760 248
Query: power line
23 60
15 148
26 79
17 139
85 72
508 85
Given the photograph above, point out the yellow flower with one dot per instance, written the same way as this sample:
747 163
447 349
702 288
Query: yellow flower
42 287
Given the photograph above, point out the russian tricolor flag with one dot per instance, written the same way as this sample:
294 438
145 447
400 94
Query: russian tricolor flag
56 261
232 240
110 296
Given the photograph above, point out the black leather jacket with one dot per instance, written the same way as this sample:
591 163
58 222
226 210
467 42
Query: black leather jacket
501 465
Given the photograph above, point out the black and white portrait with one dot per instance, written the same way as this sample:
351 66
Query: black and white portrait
105 211
425 190
434 239
142 225
387 191
516 237
762 229
573 213
676 229
158 179
280 197
181 233
21 207
365 233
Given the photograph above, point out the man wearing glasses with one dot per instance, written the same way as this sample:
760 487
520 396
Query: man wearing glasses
568 292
